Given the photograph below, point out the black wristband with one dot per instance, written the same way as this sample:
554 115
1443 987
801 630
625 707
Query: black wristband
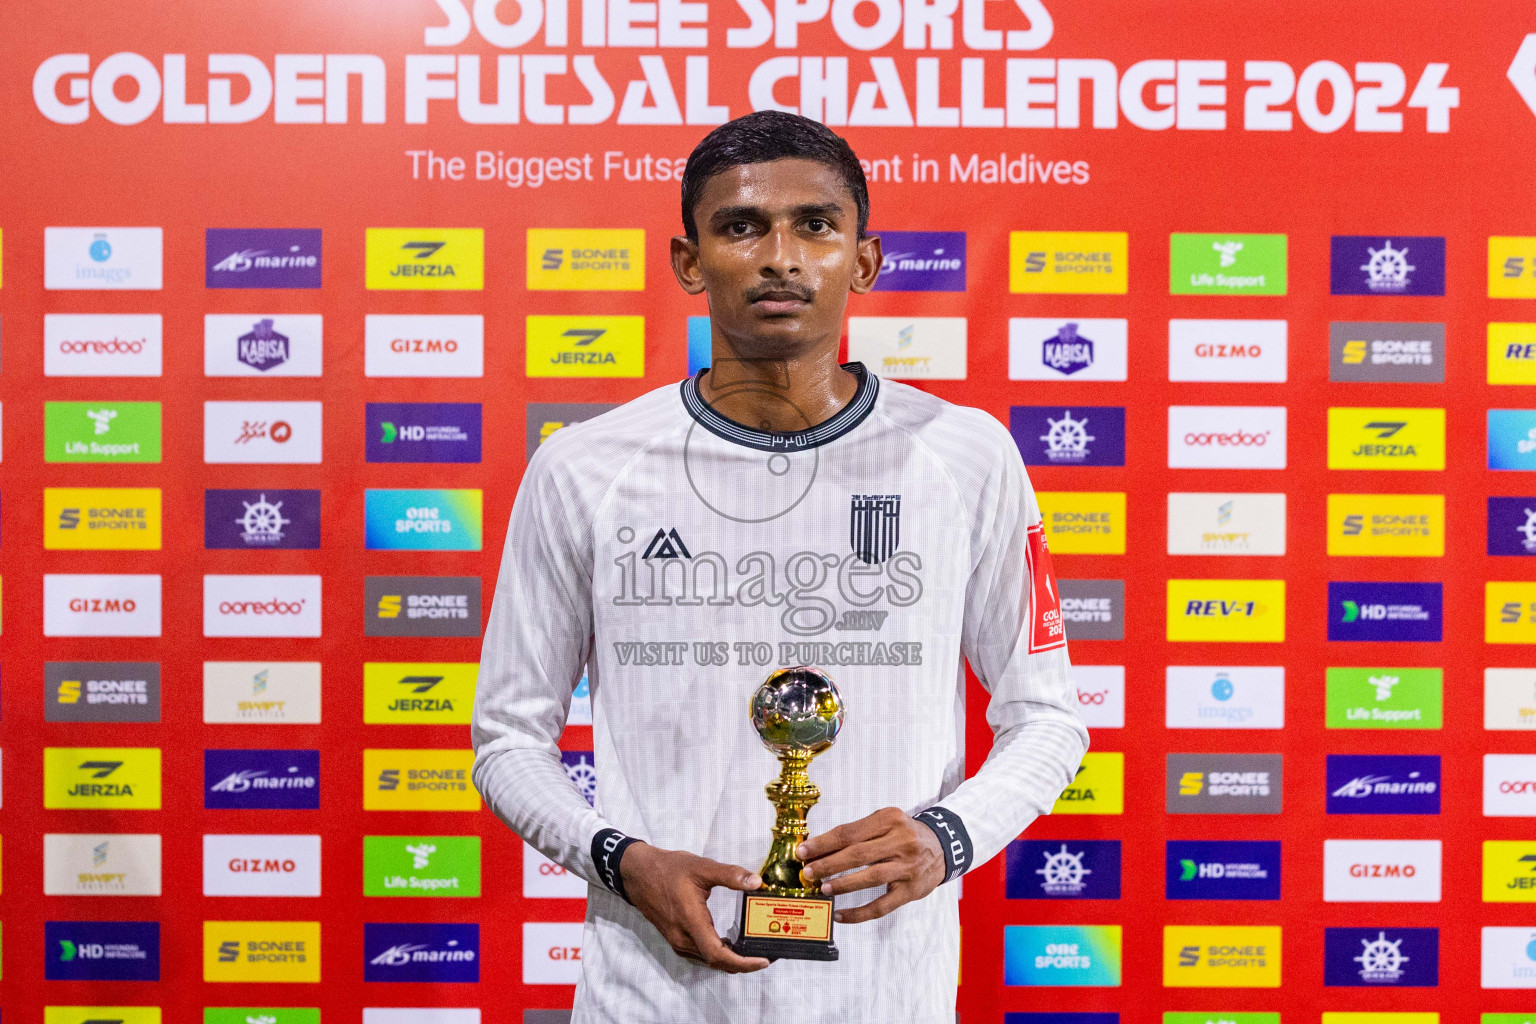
953 838
608 848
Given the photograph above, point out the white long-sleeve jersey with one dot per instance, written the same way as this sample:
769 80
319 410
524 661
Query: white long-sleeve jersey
682 557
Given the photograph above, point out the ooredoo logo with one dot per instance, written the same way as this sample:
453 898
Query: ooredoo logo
544 879
1509 785
1101 695
1226 437
287 606
102 345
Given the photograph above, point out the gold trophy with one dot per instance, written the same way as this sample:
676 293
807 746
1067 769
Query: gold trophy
797 713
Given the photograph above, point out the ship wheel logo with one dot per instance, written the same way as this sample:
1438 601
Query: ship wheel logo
1382 959
262 522
583 775
1063 871
1066 439
1388 268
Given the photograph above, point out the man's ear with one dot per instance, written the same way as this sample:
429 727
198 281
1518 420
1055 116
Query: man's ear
868 259
685 264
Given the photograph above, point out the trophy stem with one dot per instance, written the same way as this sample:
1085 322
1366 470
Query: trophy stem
793 795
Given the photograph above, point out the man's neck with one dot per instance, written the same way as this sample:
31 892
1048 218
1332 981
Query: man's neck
780 395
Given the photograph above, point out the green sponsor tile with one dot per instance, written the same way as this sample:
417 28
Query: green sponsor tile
1226 264
101 432
1509 1018
421 865
1221 1018
261 1015
1384 698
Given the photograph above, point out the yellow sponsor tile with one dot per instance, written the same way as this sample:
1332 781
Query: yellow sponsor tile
1392 525
419 780
99 1014
1380 1018
101 778
268 951
1386 438
1068 262
101 518
410 693
1512 353
1221 956
1509 612
1227 611
425 259
1098 788
586 259
1512 267
586 346
1084 522
1509 871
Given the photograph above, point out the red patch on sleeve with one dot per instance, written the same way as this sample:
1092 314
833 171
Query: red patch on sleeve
1047 631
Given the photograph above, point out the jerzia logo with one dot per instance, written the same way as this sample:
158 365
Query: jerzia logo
420 259
100 778
585 346
874 526
407 692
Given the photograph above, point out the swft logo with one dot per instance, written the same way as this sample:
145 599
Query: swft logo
1221 956
586 259
1097 788
910 348
418 780
425 259
266 951
1386 438
1068 262
101 864
410 693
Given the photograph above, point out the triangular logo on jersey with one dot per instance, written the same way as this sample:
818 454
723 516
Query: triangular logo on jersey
666 544
874 526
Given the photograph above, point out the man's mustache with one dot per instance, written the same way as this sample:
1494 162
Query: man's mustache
780 289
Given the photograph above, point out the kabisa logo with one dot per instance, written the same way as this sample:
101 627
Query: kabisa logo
1384 611
1395 352
1062 262
1222 870
102 258
1226 611
421 866
1097 788
1384 698
287 606
1512 439
1383 784
421 952
1512 353
425 259
262 348
263 258
94 778
422 520
1381 957
102 345
102 950
1084 522
418 780
1046 349
1512 526
409 693
1377 265
261 520
1221 956
280 951
1069 869
582 772
1225 697
1226 264
1053 436
101 864
1381 870
256 345
1391 525
101 519
1509 870
586 259
1228 350
261 865
910 347
422 605
423 346
585 346
262 779
1093 609
544 418
101 691
1068 955
922 261
1226 436
101 431
1509 785
423 431
1224 784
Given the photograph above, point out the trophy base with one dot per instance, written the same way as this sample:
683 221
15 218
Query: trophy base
778 927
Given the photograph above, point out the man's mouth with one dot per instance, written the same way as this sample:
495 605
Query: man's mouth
779 301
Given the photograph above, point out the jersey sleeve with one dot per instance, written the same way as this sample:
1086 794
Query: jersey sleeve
536 644
1015 640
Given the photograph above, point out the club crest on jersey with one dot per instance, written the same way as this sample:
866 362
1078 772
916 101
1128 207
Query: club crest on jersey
874 526
1047 630
666 544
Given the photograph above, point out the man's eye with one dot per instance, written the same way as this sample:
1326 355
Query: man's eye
739 227
817 224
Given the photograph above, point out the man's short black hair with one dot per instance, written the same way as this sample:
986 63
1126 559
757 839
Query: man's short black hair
764 136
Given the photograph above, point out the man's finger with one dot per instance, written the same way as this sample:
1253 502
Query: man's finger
857 856
876 874
731 876
701 929
835 839
892 899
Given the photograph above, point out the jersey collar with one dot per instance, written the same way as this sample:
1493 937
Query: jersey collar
840 423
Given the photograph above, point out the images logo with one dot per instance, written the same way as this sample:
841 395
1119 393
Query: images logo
1221 956
1224 783
422 605
1383 784
1512 353
1391 352
1093 609
1509 698
1226 264
263 258
1384 698
1226 437
544 418
103 864
1068 262
261 606
261 691
1509 613
1084 522
1226 524
101 259
101 605
1222 870
1098 788
1082 349
1071 869
276 951
425 259
586 259
423 346
252 345
261 779
1227 350
1381 957
1386 438
260 520
1384 611
421 952
262 432
1509 871
412 693
421 865
585 346
1211 697
1381 870
425 520
1509 958
1392 525
1509 786
1374 265
261 865
423 431
1049 435
1075 955
101 519
1226 611
910 348
1512 439
102 950
101 431
97 345
101 691
922 261
418 780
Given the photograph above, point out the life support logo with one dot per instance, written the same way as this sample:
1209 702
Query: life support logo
421 865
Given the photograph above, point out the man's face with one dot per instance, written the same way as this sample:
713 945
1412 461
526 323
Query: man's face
778 253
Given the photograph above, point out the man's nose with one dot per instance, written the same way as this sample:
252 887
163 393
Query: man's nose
782 255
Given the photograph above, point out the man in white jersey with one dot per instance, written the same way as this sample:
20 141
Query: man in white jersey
778 509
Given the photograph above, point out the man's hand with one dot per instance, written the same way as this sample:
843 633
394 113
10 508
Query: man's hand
891 848
669 887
